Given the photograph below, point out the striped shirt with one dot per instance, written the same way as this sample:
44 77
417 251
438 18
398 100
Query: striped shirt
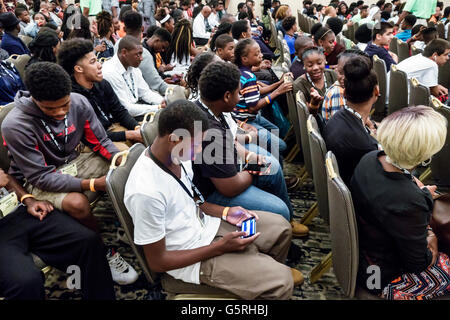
333 101
249 95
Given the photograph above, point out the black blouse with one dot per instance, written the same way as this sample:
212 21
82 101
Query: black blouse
393 214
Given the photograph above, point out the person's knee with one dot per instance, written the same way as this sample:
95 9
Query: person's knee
286 285
77 205
24 283
280 208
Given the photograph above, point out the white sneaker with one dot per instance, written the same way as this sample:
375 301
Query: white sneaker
122 272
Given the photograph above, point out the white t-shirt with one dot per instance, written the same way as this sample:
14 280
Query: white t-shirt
160 208
422 68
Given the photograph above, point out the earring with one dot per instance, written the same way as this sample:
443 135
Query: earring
426 162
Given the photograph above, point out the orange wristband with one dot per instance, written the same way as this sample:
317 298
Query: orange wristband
25 196
92 185
225 213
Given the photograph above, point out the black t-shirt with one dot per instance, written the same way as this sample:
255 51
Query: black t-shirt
219 155
347 138
392 214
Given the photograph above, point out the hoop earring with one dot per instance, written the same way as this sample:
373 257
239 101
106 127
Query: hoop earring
426 162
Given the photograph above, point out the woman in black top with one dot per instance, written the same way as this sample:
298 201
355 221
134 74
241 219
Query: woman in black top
399 258
350 133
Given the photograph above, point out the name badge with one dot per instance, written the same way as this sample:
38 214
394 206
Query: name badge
70 169
8 204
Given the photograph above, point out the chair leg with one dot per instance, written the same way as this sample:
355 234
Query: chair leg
321 268
425 175
293 153
310 215
289 133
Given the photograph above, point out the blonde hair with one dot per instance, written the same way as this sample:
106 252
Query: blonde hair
412 135
282 12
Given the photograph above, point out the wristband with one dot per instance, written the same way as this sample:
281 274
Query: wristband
225 213
248 156
249 138
25 196
92 185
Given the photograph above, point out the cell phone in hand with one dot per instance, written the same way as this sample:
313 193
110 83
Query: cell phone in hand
249 226
256 167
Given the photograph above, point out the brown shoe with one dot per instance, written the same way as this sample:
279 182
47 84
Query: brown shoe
292 182
298 229
297 276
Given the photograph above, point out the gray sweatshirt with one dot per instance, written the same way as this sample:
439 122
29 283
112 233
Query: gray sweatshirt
34 155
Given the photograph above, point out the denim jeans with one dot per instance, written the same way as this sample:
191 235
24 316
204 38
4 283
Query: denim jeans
264 126
267 192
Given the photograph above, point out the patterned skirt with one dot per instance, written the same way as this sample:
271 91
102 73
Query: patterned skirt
430 283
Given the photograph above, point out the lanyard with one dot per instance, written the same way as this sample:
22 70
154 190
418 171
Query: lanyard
196 192
312 83
359 117
52 136
400 168
132 84
221 117
103 114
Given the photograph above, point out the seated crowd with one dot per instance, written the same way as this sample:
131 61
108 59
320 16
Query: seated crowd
94 73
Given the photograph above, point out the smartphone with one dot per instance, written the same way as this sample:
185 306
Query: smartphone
256 167
249 226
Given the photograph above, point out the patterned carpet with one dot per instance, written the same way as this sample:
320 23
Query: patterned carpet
314 248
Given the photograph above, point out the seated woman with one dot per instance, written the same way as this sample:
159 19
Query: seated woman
393 209
104 43
348 134
165 19
325 38
181 48
32 29
316 81
44 47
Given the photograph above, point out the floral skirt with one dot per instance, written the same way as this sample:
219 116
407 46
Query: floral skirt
430 283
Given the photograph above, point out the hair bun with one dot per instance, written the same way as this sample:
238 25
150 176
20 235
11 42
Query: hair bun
356 69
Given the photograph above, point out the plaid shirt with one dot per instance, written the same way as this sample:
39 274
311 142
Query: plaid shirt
333 101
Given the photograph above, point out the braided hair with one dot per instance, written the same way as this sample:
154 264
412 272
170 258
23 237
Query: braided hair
180 46
241 50
104 23
195 70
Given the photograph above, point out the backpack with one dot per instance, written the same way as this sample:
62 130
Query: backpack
10 82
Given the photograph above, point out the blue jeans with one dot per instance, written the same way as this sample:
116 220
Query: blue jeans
264 126
267 192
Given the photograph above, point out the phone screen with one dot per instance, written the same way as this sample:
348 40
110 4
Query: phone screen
249 226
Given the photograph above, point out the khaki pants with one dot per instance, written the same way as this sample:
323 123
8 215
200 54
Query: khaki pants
258 272
89 165
121 145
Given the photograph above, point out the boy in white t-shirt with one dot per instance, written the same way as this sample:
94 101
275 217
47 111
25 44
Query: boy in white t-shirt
185 236
424 67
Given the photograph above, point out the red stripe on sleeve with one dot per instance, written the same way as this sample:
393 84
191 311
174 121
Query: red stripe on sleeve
92 139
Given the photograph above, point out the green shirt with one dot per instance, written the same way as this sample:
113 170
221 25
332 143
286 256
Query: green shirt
356 18
95 6
423 9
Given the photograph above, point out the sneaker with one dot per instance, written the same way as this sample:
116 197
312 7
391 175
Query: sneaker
297 276
298 229
122 272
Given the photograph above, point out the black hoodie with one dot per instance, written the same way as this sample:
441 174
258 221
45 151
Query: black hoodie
34 155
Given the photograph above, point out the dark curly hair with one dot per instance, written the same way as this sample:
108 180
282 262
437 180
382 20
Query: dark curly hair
104 23
195 70
71 51
360 80
181 114
241 50
47 81
288 23
223 28
81 31
226 74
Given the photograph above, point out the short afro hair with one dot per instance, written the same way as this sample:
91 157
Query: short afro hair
47 81
132 21
238 28
71 51
335 24
227 74
410 20
223 40
181 114
288 23
163 35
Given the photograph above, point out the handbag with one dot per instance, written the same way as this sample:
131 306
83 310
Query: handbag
440 222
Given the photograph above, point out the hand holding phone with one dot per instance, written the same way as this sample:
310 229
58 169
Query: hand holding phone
248 226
